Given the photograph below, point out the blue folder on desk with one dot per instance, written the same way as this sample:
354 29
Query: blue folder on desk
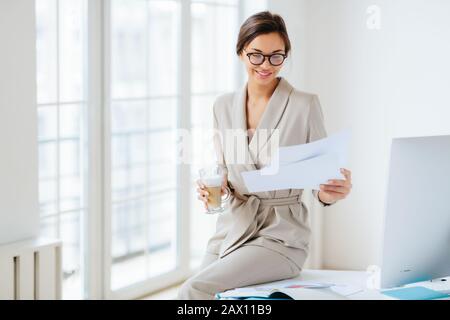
415 293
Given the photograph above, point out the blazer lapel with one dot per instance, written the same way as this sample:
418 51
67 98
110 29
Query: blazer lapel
270 118
269 121
239 124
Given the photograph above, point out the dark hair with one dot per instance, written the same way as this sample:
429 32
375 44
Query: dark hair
262 23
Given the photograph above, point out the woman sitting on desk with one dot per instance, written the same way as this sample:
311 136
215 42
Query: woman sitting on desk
263 236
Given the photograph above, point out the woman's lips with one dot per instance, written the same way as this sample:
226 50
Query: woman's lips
263 75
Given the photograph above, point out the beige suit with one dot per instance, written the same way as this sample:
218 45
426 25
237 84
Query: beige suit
262 236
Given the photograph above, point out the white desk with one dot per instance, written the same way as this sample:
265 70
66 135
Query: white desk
354 278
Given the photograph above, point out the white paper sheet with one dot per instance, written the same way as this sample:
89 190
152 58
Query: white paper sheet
346 290
304 166
336 143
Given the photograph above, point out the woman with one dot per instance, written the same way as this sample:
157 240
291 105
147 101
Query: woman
263 236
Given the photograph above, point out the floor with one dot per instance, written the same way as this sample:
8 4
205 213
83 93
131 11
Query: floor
171 292
166 294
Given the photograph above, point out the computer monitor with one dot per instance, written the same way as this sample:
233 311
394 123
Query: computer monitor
416 244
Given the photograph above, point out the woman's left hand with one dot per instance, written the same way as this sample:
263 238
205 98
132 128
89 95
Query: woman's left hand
336 190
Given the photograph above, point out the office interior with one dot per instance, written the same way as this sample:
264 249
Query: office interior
91 93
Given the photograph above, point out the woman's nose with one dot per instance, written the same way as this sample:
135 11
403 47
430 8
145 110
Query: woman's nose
266 64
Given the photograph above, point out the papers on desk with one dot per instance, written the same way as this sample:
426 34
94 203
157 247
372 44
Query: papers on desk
291 290
303 166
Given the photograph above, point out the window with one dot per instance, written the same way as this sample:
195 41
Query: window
61 45
144 97
159 67
214 72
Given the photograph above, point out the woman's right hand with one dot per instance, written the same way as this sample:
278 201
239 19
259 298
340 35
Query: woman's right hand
202 194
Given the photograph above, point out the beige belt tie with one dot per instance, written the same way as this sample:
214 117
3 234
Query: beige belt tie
244 225
271 201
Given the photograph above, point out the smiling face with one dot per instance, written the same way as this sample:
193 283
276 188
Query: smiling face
266 44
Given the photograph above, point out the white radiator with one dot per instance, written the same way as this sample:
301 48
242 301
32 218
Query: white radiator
31 270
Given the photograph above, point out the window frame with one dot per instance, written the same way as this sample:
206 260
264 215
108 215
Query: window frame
181 272
95 237
59 103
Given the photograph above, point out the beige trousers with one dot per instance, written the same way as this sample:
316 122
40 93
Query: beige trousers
245 266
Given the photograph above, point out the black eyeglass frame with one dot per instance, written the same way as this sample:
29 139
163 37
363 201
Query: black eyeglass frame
266 56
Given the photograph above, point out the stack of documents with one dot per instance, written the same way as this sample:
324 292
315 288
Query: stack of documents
291 290
303 166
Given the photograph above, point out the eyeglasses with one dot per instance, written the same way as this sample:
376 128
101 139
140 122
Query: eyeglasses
258 59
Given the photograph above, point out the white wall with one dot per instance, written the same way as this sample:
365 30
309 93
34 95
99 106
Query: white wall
345 65
18 122
421 102
294 15
385 82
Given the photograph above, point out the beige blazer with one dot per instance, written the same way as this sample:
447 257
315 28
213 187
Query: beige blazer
278 219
